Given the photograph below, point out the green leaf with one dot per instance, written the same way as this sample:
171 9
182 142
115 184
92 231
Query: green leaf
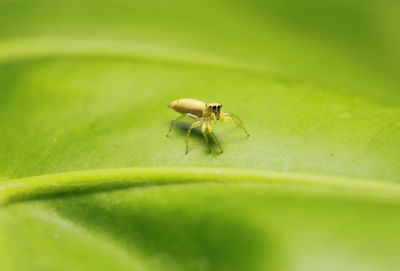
88 180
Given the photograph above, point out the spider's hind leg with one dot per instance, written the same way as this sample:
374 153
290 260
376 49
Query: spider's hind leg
172 124
179 118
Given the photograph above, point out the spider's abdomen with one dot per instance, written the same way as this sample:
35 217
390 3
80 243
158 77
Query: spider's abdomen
187 105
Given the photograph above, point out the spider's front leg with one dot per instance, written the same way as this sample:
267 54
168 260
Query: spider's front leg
233 118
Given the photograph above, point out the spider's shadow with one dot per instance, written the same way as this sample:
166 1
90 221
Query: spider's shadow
182 128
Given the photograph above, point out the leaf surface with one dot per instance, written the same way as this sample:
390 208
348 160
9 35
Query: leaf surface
88 180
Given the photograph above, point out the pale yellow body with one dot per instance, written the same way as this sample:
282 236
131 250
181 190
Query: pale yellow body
187 105
203 113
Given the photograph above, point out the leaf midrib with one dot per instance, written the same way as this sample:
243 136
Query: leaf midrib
89 181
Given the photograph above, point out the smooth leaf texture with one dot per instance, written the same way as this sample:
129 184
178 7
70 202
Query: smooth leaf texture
84 88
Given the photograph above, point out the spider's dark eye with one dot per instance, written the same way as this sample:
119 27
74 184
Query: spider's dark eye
214 107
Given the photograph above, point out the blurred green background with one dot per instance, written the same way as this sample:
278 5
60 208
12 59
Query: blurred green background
84 86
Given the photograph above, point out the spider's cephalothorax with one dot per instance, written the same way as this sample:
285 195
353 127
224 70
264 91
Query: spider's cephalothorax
213 111
203 114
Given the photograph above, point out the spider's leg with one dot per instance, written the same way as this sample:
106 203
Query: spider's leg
194 125
179 118
236 120
203 131
209 128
